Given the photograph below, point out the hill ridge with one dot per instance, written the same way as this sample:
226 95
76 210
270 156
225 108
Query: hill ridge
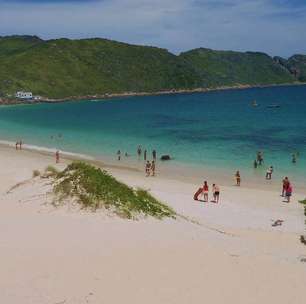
59 68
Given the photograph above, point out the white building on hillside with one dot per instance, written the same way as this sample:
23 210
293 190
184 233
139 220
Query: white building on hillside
24 95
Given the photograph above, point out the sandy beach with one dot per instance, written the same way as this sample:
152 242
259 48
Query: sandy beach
219 253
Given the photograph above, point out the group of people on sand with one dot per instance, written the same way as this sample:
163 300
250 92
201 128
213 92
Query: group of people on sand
287 186
204 191
259 161
150 168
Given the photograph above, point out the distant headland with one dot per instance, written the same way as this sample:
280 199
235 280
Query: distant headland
63 69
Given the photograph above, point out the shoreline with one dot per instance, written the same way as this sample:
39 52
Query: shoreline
106 96
180 172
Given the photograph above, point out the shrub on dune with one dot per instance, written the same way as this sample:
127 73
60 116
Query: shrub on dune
94 188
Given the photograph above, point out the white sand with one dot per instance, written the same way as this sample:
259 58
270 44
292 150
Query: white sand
233 254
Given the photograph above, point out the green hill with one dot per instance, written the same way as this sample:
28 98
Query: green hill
62 68
218 68
296 65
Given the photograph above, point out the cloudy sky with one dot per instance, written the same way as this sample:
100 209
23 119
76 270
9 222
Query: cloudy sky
277 27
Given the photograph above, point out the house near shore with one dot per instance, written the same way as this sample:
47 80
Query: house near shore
24 95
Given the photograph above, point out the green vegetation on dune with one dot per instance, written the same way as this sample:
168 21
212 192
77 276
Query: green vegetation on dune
228 68
94 188
303 237
65 68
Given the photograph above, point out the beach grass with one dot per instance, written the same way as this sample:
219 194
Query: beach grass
93 188
51 171
303 237
303 202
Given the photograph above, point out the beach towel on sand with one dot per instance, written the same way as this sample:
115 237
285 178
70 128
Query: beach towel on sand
196 195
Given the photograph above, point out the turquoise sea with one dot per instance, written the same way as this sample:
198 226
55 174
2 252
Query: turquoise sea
218 129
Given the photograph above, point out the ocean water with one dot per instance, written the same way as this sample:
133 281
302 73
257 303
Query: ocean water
217 129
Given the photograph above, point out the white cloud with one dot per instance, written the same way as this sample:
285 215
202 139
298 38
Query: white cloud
178 25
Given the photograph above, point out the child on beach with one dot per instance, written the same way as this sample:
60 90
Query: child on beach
216 193
205 191
269 173
148 168
238 178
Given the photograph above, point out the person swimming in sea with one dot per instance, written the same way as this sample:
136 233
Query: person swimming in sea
260 159
255 164
119 154
294 158
154 154
145 154
139 151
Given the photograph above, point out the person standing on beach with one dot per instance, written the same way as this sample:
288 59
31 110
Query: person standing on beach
205 191
145 154
139 151
285 185
148 168
153 168
289 192
57 157
119 154
16 145
216 193
154 154
238 178
20 144
269 173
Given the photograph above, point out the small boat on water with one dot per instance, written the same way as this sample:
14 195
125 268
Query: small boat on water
254 103
273 106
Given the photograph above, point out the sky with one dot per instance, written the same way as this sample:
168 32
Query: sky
277 27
